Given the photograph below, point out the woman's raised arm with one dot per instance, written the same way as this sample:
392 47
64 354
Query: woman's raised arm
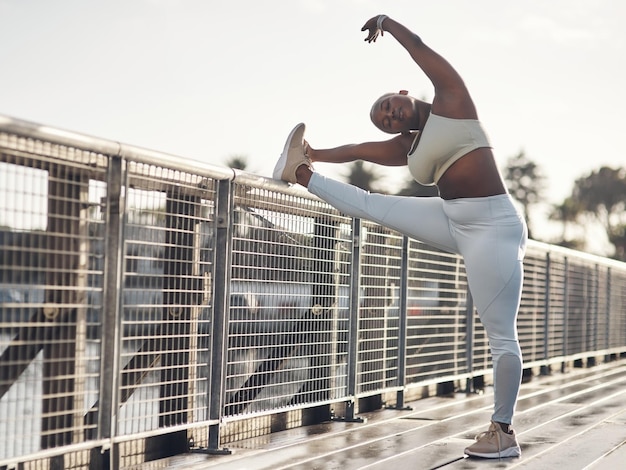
452 99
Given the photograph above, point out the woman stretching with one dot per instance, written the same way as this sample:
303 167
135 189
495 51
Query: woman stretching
443 144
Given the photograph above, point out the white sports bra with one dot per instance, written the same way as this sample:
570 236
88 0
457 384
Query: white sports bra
442 142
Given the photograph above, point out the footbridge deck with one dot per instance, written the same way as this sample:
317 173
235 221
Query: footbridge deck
574 419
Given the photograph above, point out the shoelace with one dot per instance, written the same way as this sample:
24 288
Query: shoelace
305 149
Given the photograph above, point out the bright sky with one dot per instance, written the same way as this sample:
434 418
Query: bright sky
209 79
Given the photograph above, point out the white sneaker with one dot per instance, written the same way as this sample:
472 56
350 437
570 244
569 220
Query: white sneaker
495 444
292 157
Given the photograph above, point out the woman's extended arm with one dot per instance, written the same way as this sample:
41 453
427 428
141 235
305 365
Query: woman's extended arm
392 152
452 98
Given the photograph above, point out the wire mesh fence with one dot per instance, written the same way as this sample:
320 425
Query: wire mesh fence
149 304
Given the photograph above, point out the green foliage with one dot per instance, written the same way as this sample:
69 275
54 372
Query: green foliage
602 194
238 162
363 176
525 182
568 213
617 236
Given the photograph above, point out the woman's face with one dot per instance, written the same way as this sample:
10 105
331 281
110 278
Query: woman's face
394 113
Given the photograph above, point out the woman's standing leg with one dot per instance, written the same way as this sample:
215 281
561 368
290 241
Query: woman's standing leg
492 237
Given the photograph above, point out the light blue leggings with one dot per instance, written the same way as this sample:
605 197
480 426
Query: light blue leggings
491 236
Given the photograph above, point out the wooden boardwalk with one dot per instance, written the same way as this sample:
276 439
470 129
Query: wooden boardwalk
573 420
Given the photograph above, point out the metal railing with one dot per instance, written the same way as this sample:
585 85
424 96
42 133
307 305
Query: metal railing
146 299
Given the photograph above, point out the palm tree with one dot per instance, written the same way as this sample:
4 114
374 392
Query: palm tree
603 194
238 162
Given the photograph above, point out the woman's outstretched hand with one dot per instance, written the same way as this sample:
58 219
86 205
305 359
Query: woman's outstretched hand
373 28
306 148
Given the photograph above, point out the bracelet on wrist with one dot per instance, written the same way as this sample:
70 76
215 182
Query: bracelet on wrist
379 21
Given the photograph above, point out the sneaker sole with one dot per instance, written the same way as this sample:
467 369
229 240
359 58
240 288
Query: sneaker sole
282 161
510 452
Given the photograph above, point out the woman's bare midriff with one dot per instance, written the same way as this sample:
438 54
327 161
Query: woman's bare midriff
473 175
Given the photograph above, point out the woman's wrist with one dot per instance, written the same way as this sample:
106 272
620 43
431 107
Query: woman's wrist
379 21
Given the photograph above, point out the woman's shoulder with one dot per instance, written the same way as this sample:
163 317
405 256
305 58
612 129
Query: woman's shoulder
460 107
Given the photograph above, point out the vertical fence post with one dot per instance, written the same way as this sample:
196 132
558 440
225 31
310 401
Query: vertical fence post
353 323
593 339
565 309
106 412
469 338
607 326
545 369
402 326
221 307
